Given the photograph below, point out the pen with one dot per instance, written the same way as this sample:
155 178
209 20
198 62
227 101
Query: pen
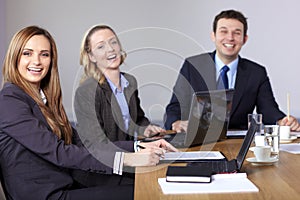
141 147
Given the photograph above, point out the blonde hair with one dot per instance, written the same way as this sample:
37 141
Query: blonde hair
53 111
90 68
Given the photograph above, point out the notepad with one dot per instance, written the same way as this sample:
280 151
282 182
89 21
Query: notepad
291 148
221 183
193 156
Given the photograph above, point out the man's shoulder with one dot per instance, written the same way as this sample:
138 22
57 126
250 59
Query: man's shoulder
200 57
244 62
203 62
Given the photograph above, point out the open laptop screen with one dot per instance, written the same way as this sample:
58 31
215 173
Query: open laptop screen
209 116
246 144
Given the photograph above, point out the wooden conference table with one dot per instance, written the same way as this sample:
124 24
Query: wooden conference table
278 181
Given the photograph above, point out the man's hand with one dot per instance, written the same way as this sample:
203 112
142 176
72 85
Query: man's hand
290 121
180 126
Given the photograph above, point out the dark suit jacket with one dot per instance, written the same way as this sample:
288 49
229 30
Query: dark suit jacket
34 162
98 112
252 89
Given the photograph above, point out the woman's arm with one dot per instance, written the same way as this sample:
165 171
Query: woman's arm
21 119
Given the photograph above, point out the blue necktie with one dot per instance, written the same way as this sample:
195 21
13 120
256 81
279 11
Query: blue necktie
223 79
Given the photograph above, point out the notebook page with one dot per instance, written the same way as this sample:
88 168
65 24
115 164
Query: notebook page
193 155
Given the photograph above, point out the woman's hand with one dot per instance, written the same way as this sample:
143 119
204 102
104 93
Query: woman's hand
152 130
149 154
146 157
161 144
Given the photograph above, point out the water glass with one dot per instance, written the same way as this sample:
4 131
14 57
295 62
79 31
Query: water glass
258 119
271 133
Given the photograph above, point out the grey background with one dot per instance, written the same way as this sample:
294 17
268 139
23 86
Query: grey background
158 35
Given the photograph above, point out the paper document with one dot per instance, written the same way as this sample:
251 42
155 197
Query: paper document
236 133
295 133
291 148
193 155
221 183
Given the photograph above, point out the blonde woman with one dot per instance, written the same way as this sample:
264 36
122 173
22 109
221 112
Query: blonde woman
107 102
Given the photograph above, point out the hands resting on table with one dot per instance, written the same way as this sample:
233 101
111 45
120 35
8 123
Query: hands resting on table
181 126
149 154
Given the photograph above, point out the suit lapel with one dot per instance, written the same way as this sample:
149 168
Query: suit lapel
129 94
205 66
240 84
112 101
107 91
210 71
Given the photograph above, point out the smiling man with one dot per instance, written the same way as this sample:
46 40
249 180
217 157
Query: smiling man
249 79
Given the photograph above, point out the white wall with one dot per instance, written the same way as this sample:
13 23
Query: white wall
158 35
2 34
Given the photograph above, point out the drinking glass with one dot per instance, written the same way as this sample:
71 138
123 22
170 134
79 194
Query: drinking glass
271 133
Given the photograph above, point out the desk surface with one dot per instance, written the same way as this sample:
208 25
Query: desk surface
278 181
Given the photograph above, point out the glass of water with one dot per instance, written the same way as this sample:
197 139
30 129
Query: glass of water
271 133
258 119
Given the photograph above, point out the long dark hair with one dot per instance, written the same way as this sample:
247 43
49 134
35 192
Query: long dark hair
54 111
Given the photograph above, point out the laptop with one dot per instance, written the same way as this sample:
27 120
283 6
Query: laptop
208 119
235 165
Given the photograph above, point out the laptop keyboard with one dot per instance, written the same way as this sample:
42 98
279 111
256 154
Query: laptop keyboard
215 166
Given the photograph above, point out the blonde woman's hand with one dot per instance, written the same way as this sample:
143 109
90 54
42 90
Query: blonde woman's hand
161 144
152 130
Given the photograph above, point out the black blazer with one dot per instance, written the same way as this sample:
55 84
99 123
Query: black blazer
99 114
252 89
35 164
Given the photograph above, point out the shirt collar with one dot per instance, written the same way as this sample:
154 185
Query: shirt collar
43 96
124 84
232 66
